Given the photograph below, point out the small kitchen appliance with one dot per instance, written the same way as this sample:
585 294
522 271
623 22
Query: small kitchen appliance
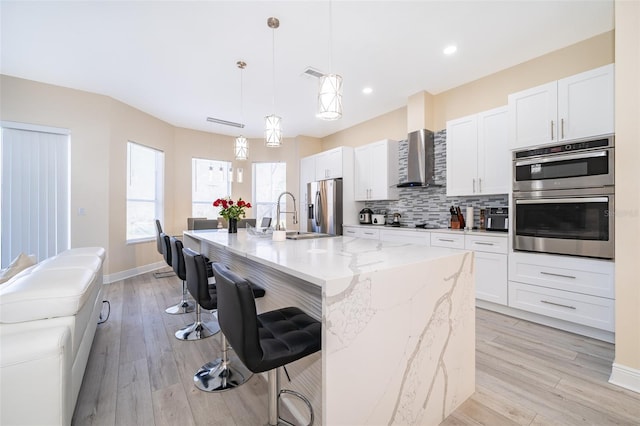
497 219
378 219
365 216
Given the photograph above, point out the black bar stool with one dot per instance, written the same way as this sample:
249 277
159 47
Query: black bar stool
160 246
223 373
267 341
204 295
177 263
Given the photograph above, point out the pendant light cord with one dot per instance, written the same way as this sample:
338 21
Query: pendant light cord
330 35
273 70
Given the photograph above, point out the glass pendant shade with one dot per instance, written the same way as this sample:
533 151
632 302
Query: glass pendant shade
241 148
273 131
330 97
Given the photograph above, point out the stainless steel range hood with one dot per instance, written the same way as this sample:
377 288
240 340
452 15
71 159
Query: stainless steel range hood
420 160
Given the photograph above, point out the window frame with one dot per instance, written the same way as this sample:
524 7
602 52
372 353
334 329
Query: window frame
254 199
158 199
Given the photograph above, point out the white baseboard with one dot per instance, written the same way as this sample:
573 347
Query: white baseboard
110 278
625 377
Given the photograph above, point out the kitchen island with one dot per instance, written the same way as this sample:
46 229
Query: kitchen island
398 339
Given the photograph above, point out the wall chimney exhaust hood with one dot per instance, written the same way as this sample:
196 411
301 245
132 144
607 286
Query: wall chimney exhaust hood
420 159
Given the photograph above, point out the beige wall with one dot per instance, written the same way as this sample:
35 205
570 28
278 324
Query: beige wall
87 117
100 129
627 183
392 125
479 95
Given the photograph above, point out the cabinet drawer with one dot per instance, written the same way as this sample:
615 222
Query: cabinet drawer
485 243
411 237
350 232
372 234
586 276
439 239
597 312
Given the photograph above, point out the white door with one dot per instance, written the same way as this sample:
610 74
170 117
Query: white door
533 116
362 164
494 159
462 156
586 104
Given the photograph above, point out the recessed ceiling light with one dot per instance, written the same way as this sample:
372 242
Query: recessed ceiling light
450 50
367 90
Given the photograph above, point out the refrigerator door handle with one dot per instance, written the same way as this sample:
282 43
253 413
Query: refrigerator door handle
318 208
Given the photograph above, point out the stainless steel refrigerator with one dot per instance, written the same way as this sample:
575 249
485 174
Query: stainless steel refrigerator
324 206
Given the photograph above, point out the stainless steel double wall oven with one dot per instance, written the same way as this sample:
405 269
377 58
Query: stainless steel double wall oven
564 198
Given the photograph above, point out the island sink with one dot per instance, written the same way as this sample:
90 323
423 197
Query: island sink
304 235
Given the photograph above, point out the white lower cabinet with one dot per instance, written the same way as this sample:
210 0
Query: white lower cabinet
572 289
592 311
405 236
448 240
361 232
491 267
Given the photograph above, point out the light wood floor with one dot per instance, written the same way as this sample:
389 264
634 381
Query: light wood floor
527 374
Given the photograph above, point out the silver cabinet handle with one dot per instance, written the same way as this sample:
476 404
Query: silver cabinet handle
480 243
445 240
558 304
474 185
557 275
562 128
479 185
551 129
368 233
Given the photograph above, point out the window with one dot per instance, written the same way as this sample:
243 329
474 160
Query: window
210 180
269 181
145 191
35 191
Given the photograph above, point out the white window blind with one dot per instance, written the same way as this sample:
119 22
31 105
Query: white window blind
34 217
145 191
210 180
269 181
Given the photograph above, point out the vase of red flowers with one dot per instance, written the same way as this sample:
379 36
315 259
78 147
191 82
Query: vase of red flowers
232 211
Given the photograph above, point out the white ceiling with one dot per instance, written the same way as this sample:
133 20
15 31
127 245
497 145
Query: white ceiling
176 60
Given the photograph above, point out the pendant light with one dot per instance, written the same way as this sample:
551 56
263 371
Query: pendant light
273 123
241 145
330 90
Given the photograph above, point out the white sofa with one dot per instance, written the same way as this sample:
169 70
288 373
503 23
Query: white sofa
48 318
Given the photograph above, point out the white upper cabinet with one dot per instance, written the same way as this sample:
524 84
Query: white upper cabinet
477 154
376 171
574 107
329 164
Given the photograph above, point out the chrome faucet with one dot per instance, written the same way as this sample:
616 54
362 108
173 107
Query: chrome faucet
295 212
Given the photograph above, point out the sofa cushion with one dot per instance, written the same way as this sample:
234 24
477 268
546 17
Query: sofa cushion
87 261
46 293
20 263
95 251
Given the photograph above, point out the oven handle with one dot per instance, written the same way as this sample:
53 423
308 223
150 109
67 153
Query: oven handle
564 200
562 157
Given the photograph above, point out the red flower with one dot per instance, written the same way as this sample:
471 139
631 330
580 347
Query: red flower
231 210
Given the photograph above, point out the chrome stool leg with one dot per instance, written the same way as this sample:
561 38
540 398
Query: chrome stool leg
199 329
184 306
222 374
274 393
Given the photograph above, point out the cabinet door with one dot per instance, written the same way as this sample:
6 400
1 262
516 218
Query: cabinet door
533 116
491 277
494 160
380 166
462 156
362 166
586 104
329 164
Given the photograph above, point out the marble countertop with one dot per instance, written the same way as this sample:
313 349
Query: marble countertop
446 230
323 259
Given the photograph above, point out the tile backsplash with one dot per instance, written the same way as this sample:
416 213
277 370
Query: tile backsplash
431 205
